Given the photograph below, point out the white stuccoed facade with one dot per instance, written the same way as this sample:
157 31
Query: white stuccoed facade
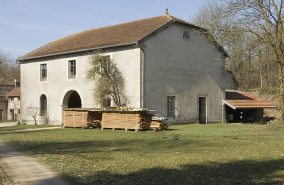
165 64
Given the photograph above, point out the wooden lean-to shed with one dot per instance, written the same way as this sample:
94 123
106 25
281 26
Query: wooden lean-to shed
245 107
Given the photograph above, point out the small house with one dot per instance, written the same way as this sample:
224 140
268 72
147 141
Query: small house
14 104
5 87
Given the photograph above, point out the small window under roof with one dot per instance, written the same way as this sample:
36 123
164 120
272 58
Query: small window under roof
185 35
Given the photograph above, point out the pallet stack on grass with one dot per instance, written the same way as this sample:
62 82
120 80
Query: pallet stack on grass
125 119
158 124
114 118
75 118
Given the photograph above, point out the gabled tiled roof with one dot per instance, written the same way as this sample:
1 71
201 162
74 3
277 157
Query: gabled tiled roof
14 92
3 81
238 99
121 34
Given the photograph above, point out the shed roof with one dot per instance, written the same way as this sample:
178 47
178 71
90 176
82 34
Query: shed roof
239 99
14 92
133 32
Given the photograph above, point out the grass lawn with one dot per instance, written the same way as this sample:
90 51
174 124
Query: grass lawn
187 154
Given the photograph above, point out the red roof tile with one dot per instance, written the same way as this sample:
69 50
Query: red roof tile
14 92
116 35
240 99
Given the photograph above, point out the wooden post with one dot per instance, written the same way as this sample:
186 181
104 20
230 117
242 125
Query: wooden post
73 119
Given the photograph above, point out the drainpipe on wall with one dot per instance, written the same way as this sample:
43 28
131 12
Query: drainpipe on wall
142 61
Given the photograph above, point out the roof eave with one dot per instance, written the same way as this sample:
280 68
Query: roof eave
230 105
75 51
257 107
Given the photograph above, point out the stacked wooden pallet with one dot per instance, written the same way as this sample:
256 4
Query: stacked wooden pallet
115 118
124 120
94 119
75 119
158 124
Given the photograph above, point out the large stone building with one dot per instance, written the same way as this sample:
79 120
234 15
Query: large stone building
168 64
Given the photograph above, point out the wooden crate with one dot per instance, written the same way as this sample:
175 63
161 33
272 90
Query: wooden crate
123 120
75 119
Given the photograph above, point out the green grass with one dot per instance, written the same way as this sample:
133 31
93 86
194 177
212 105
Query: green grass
185 154
22 127
7 121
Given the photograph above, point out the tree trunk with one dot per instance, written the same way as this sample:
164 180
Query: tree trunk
280 76
35 121
260 75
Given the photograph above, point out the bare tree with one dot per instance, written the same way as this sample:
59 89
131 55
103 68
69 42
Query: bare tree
107 78
33 112
219 25
9 68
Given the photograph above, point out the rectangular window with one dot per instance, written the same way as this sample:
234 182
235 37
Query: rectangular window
171 106
19 98
11 98
72 69
43 72
19 111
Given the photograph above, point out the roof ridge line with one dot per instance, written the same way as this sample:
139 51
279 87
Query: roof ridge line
45 45
105 27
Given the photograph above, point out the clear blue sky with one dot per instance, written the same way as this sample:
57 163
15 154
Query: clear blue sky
26 25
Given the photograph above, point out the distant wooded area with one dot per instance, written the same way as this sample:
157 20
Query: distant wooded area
9 68
251 31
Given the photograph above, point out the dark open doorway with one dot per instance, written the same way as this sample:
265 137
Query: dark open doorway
202 110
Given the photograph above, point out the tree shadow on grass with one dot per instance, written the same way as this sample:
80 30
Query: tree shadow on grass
237 172
104 146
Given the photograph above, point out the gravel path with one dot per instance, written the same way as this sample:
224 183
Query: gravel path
20 169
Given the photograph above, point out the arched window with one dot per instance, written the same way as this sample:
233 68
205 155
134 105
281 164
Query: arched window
185 35
43 105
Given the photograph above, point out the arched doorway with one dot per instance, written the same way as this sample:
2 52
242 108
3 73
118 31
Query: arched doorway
72 100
